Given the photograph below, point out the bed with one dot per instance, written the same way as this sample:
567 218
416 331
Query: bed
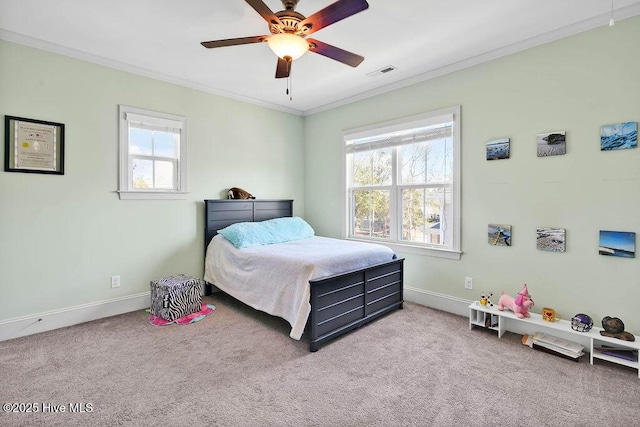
326 292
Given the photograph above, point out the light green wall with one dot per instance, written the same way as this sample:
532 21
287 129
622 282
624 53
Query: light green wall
576 84
62 237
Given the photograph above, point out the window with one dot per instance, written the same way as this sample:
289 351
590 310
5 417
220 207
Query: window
403 183
153 155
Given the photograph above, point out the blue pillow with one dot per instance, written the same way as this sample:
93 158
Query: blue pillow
278 230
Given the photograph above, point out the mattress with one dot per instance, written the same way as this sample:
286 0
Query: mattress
275 278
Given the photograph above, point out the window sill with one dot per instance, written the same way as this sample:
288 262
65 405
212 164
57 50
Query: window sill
417 250
152 195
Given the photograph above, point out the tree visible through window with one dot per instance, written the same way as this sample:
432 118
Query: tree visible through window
402 181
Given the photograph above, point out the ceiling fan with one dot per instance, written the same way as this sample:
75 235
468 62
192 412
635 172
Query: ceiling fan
289 30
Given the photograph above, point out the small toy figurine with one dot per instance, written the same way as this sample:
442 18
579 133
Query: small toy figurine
485 299
520 305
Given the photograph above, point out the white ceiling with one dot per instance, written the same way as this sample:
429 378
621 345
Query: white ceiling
422 38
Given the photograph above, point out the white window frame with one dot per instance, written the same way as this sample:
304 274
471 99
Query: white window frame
126 190
395 201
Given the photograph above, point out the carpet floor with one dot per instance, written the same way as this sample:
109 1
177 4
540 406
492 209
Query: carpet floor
238 367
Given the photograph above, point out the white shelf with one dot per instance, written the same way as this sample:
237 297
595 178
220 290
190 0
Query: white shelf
615 344
596 354
485 317
502 321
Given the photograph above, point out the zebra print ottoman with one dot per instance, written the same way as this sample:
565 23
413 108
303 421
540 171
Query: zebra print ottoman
176 296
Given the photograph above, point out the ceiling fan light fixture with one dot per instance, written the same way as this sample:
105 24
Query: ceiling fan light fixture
288 45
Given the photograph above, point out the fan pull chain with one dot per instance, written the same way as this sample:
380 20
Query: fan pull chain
289 91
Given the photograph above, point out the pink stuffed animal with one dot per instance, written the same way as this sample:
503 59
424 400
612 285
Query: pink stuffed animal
520 305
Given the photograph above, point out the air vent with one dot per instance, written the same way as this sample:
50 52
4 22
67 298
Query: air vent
381 71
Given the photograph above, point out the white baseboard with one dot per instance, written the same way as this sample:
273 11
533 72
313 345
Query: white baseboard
47 321
438 301
41 322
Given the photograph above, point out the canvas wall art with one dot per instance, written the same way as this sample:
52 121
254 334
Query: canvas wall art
552 144
551 239
618 243
498 149
619 136
499 235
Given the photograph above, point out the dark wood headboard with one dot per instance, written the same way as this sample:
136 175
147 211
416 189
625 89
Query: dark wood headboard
220 213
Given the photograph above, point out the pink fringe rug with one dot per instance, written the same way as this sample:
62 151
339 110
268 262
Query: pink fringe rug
205 310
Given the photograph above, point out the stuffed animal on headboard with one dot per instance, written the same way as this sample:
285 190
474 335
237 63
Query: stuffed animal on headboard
239 193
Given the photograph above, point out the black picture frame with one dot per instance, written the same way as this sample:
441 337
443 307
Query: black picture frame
42 148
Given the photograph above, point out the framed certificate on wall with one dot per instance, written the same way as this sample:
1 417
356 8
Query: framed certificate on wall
33 146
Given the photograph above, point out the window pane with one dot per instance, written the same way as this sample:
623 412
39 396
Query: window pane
140 141
142 174
422 215
440 161
163 175
413 163
362 169
164 144
371 213
372 168
427 162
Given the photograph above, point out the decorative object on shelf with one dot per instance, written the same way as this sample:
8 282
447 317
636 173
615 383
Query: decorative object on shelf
504 321
551 239
554 345
239 193
617 243
619 136
499 234
550 315
614 328
520 305
552 144
581 322
498 149
485 299
33 146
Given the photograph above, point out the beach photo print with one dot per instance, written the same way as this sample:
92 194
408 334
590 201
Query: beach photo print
498 149
499 235
552 144
617 243
551 239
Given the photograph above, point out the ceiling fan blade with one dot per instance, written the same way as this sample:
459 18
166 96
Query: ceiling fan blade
264 11
332 14
283 69
234 42
335 53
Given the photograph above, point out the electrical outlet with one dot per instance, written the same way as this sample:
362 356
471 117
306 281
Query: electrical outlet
468 283
115 281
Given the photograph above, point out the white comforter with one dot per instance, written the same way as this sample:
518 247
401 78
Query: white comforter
275 278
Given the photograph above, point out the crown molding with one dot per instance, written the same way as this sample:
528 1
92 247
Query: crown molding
586 25
121 66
